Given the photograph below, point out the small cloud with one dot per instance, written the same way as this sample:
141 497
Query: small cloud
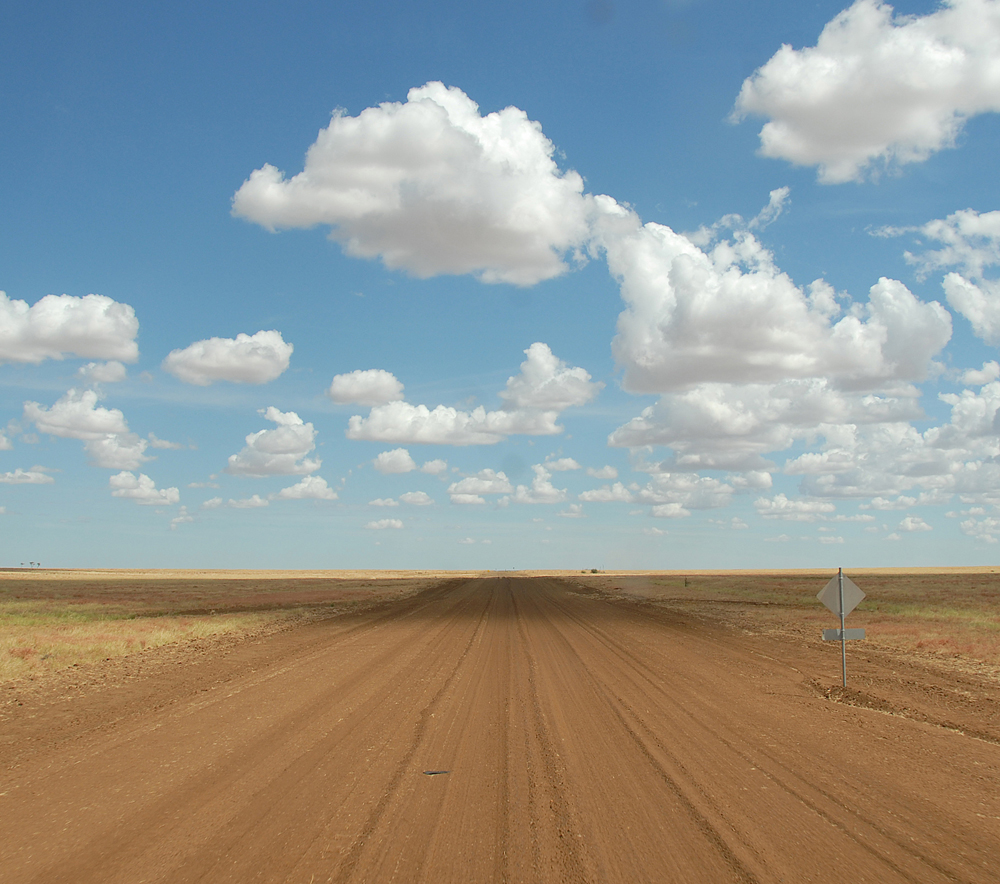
606 472
781 538
181 518
141 489
212 503
383 501
435 467
654 532
670 511
310 488
34 476
914 523
249 503
369 387
393 462
102 372
829 538
154 442
990 372
245 359
561 465
467 499
383 524
573 511
416 498
466 541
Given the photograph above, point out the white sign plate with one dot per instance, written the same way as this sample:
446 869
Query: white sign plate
830 595
834 635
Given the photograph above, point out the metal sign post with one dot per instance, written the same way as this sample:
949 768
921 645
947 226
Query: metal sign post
841 595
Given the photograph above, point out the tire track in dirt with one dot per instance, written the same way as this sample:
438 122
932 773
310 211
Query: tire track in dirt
572 866
633 723
700 821
162 817
353 854
585 740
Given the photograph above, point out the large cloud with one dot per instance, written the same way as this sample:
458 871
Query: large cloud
245 359
733 427
432 187
278 452
726 313
56 326
882 461
104 431
373 386
141 489
533 399
878 89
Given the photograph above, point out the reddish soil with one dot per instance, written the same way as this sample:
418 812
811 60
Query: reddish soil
502 729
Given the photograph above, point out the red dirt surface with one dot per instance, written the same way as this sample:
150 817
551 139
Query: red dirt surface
502 729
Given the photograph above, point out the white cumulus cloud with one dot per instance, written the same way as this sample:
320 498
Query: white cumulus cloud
416 498
112 372
616 493
373 386
727 314
57 326
430 186
104 431
470 489
969 241
394 462
878 89
561 464
141 489
605 472
245 359
278 452
914 523
255 501
34 476
533 399
793 510
309 488
541 489
182 517
383 524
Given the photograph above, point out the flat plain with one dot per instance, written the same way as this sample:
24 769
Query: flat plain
497 727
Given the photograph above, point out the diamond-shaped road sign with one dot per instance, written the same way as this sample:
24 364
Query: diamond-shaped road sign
830 595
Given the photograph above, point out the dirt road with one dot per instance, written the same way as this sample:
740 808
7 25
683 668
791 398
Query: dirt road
490 730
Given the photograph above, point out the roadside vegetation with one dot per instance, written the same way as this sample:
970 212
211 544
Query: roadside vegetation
951 615
53 620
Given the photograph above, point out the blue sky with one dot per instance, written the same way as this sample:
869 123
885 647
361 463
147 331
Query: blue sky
579 284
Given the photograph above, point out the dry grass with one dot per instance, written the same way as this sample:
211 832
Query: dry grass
38 637
50 620
53 619
949 614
